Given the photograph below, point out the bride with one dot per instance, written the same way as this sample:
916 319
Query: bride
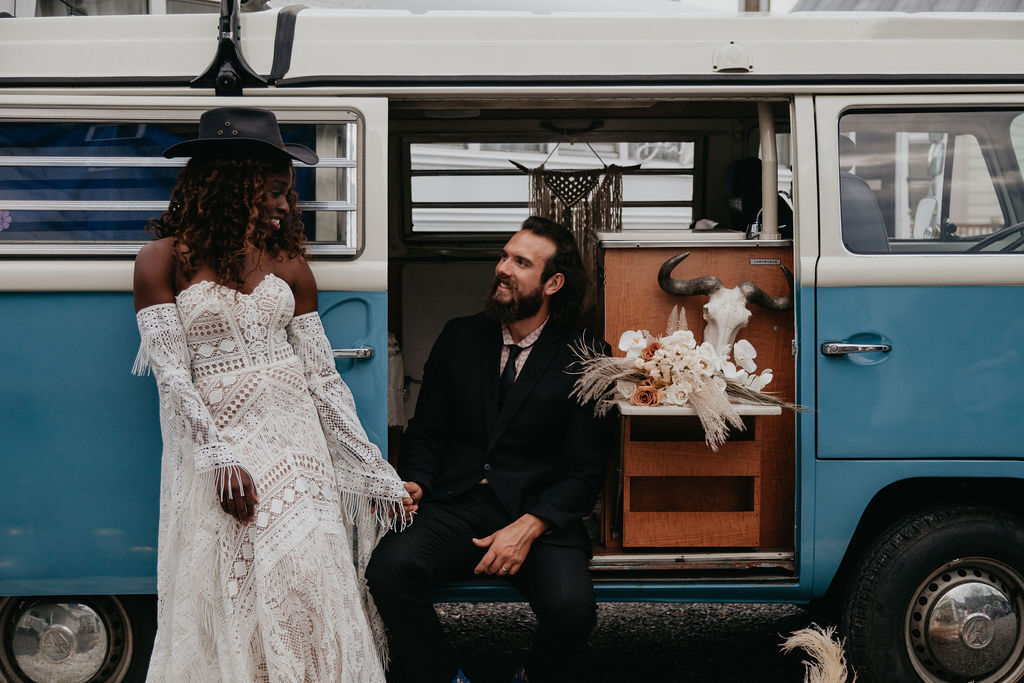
271 495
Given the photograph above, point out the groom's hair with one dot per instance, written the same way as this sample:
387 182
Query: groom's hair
567 303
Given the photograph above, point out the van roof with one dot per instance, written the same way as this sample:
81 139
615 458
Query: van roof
371 48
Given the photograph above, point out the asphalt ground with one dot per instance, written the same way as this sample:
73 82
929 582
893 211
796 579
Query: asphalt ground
633 642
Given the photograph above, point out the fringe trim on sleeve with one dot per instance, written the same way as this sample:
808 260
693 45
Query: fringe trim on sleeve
162 344
141 367
369 486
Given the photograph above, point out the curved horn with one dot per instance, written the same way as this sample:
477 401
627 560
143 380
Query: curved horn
698 285
756 295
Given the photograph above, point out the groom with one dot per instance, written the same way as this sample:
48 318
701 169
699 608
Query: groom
504 465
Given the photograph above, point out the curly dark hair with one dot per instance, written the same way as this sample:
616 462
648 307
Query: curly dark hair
568 303
217 210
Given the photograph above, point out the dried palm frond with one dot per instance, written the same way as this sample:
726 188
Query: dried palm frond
828 661
676 320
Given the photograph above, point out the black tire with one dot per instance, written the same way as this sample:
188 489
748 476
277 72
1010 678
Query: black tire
896 613
128 624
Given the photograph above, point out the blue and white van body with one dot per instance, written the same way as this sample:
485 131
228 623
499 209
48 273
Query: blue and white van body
897 502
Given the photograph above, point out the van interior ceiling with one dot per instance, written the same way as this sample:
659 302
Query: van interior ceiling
448 218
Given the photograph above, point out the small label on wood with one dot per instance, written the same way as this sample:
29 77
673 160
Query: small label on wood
765 262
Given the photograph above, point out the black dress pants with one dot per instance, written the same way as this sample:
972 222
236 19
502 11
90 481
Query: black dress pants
436 548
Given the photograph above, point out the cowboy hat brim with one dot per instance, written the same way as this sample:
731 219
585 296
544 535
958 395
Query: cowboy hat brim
240 148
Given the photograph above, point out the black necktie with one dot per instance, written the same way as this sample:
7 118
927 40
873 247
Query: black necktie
508 375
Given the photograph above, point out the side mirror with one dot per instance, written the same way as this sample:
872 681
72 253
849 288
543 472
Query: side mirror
936 154
924 218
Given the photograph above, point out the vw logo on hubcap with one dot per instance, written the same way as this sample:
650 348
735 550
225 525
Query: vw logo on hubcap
57 643
978 631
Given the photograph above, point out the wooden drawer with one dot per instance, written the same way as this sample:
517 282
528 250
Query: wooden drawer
691 458
681 494
691 529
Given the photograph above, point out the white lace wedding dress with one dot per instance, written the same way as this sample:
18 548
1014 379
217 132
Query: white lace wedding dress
243 384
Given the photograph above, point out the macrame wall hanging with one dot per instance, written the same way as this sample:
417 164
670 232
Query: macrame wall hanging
584 200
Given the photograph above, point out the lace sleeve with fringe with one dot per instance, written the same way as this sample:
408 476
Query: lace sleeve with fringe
367 483
164 351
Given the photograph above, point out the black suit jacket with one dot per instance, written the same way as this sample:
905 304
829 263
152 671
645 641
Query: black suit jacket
541 453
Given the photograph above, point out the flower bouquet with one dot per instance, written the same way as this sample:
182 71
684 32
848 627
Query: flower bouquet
674 370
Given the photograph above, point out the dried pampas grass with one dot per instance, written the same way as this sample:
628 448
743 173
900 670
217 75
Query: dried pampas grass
598 375
828 661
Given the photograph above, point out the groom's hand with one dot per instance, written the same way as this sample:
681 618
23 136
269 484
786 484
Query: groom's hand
411 503
508 547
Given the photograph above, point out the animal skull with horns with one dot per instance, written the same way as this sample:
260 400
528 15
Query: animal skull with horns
726 310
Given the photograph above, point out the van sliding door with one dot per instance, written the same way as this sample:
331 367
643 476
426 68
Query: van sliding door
920 281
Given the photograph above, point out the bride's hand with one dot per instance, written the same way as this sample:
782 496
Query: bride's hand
239 497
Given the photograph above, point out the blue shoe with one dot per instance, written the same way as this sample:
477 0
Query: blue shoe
460 678
520 676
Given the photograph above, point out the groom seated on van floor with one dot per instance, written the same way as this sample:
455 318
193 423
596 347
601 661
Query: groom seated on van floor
504 465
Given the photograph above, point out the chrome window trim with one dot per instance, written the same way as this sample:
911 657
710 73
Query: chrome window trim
300 111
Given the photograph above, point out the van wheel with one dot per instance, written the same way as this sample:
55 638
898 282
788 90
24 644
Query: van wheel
75 639
939 597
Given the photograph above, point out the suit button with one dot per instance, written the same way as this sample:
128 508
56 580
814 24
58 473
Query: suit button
487 467
451 492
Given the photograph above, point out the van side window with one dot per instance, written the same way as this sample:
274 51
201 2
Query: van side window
470 186
931 181
86 187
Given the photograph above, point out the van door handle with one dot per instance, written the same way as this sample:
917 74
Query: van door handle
833 349
362 352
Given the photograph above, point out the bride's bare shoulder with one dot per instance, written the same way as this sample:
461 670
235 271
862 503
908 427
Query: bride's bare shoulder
154 273
297 273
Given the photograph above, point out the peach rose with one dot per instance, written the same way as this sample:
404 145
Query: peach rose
644 395
649 350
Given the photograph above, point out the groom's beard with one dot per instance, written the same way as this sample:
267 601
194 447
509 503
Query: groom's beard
519 305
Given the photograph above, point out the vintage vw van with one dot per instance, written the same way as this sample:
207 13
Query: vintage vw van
892 501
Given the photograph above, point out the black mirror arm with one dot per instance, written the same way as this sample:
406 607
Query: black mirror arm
228 73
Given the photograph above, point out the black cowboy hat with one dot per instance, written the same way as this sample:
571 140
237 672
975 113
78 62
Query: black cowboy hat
240 132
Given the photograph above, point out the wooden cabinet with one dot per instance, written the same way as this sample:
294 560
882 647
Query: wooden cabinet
677 492
743 495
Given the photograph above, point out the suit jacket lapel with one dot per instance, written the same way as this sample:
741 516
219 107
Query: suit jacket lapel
543 352
491 351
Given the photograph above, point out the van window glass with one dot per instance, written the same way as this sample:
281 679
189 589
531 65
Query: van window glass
99 183
930 181
470 187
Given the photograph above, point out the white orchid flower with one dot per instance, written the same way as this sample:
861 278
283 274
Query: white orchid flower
744 353
632 342
762 380
732 372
